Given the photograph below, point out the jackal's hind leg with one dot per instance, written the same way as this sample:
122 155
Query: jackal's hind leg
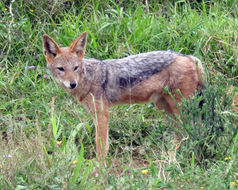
165 103
162 104
173 102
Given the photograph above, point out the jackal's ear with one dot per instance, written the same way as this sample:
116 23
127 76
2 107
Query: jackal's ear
51 48
79 45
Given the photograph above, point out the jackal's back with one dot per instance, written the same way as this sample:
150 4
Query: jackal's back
125 73
135 68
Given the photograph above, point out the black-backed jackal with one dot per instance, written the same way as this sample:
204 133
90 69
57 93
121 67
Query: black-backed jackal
99 84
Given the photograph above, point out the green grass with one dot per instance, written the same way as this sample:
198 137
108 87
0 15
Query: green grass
35 114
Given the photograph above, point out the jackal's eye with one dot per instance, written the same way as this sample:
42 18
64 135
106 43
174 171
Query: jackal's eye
76 68
60 68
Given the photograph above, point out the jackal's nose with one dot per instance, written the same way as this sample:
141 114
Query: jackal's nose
73 85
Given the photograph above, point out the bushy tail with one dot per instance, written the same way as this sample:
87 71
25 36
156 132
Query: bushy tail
201 82
200 70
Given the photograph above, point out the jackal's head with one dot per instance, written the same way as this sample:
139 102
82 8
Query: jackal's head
66 63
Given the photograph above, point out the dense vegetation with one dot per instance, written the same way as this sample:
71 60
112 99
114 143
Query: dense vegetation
47 139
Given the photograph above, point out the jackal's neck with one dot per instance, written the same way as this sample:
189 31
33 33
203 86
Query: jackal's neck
95 71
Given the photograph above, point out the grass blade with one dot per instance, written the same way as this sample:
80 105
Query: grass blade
54 127
86 174
79 165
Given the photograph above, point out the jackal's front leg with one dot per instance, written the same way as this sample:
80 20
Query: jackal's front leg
99 110
101 124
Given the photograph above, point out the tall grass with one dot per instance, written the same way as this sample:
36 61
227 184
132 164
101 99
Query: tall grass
48 143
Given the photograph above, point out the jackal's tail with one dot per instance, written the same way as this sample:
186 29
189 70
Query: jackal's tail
201 81
200 70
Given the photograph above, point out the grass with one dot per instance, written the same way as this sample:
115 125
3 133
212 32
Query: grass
47 139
